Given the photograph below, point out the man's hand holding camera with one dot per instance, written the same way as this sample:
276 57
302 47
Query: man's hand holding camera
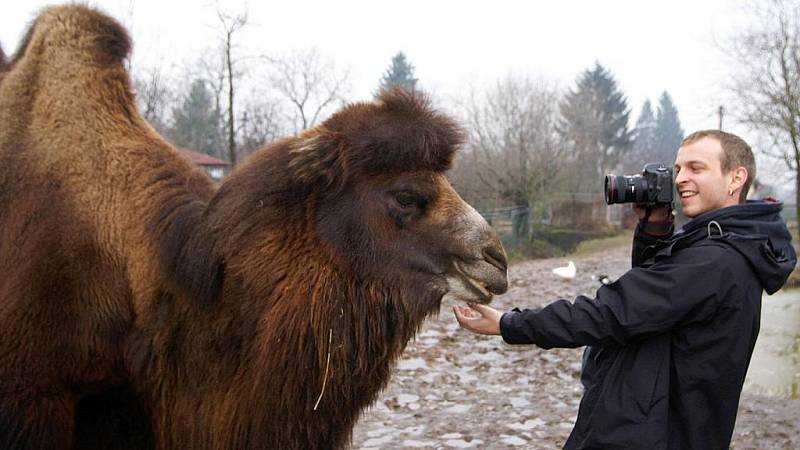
651 194
655 219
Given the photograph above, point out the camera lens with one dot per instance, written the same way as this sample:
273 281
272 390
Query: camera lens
625 189
653 186
615 189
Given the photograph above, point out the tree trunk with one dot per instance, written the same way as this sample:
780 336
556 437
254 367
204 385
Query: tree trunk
795 136
797 198
231 130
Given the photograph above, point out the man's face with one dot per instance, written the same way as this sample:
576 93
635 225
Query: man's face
701 185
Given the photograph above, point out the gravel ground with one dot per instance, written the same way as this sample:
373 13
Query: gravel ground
453 389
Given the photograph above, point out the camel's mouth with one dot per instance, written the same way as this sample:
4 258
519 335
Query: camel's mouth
479 287
476 282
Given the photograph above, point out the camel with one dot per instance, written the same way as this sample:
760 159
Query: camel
142 306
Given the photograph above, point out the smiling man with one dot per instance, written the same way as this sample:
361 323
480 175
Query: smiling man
713 170
668 344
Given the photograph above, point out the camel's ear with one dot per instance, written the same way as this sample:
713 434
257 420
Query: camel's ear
316 159
3 61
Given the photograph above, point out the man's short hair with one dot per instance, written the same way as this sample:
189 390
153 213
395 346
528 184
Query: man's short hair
735 153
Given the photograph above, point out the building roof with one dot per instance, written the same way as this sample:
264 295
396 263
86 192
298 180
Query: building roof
201 159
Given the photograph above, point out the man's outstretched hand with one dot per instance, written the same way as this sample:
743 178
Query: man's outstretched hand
479 319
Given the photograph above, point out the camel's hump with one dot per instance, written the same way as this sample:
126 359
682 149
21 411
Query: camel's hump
76 31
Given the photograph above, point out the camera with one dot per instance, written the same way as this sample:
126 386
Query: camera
653 186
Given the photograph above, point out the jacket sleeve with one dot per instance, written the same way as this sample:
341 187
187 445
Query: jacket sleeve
641 303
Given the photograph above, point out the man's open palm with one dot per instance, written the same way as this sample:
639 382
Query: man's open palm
479 319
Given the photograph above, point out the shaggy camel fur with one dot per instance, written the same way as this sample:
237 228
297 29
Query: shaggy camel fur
141 307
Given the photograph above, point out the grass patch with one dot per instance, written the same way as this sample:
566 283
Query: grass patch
535 249
550 242
602 244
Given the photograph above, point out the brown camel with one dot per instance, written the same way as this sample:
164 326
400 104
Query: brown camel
141 307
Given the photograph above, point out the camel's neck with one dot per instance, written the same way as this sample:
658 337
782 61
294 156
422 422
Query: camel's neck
322 350
342 352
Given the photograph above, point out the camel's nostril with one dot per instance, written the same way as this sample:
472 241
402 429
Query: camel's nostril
496 257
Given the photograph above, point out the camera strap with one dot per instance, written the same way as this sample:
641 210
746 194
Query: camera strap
647 211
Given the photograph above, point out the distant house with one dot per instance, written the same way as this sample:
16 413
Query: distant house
214 167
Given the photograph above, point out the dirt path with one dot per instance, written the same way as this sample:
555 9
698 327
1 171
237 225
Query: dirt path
453 389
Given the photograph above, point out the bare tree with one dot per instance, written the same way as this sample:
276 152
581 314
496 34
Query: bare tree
766 82
230 25
211 67
311 82
259 117
153 96
261 123
514 150
153 84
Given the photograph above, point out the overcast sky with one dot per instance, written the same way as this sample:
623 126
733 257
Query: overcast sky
649 46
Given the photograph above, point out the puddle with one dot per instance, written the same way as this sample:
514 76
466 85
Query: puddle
775 366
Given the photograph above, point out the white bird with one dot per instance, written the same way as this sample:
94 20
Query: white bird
567 272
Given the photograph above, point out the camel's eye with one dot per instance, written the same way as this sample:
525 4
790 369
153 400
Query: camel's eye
405 206
406 199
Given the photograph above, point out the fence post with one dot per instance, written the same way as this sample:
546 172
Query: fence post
520 225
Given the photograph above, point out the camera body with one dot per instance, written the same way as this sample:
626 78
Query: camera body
654 186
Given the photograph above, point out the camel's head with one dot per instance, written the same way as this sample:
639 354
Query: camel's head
387 209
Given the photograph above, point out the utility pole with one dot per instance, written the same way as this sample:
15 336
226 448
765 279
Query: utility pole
720 112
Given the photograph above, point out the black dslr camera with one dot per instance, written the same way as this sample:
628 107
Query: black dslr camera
653 186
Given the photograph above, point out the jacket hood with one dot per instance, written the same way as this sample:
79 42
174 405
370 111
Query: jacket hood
756 230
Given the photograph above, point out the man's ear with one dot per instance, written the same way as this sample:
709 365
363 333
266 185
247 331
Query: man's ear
739 177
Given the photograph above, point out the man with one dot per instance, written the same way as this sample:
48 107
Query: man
670 340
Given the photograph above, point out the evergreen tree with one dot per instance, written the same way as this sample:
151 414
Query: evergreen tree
669 133
595 121
399 74
197 122
644 140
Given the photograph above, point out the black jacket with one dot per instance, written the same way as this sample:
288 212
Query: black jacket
672 338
